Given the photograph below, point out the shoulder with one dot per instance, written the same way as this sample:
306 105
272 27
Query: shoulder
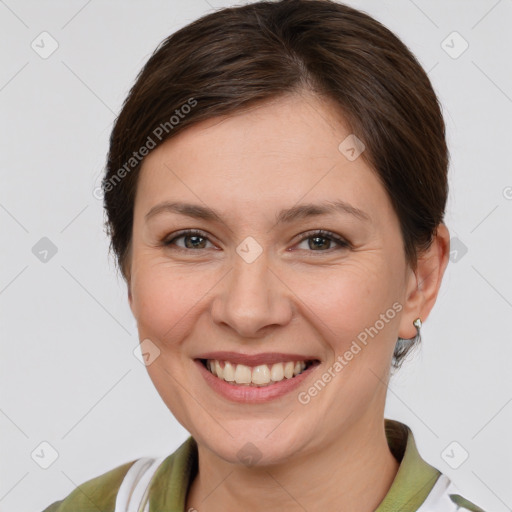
99 493
163 480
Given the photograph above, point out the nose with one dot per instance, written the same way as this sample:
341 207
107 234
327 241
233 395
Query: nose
252 299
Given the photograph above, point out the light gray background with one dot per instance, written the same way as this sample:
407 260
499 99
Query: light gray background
69 375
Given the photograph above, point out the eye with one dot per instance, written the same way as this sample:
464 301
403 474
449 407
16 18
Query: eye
318 240
193 240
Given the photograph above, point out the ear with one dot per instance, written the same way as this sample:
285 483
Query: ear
423 284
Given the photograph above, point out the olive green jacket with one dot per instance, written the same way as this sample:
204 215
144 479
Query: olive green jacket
417 487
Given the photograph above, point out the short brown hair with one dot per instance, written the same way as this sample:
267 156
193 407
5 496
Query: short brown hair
233 58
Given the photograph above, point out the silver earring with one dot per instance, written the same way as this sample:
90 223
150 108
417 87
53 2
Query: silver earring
417 323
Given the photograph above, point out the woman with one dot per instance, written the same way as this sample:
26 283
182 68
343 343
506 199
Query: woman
275 193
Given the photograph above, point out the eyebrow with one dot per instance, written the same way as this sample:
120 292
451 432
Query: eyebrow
289 215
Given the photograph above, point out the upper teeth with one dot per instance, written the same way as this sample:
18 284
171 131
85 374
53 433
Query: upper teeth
260 375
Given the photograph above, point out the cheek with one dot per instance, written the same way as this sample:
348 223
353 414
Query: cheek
347 302
165 298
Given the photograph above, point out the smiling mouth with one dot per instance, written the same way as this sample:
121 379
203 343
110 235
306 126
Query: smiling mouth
256 376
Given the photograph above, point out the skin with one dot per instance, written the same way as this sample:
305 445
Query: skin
293 298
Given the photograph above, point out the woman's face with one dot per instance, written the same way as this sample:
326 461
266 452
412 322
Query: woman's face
257 281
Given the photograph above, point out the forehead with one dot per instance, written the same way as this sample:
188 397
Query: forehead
273 155
290 127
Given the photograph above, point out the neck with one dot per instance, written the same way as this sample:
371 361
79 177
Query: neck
354 473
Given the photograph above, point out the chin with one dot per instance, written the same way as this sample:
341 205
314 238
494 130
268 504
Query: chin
253 443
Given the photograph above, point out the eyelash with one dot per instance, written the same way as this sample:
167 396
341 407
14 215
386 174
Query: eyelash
321 233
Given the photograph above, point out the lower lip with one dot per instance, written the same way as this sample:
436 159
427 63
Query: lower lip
253 394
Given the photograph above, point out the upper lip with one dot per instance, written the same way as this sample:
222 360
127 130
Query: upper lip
256 359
